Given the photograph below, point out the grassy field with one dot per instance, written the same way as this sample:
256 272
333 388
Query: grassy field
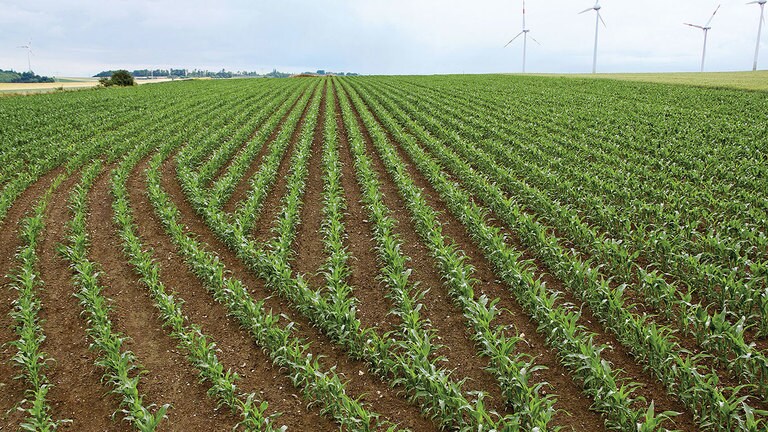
32 88
734 80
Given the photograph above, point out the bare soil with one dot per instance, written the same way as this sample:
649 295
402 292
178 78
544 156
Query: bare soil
78 393
360 380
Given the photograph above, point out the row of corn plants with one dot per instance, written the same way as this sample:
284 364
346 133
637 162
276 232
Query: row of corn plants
512 370
29 357
649 342
121 368
735 285
712 331
199 348
287 351
576 348
222 189
438 395
248 210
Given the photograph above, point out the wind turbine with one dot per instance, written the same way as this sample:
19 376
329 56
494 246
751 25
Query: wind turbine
28 47
524 34
759 29
598 20
706 28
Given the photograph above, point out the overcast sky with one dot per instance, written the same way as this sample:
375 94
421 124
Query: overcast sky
83 37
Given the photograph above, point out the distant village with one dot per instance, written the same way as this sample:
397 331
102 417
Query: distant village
197 73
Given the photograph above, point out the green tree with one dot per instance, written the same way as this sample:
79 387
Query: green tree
121 78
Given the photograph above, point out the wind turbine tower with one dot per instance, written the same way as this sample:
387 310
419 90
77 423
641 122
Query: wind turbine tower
598 20
524 34
28 47
759 29
706 28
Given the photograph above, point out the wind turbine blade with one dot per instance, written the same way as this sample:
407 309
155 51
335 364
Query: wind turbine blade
523 14
534 39
753 2
586 10
713 16
694 25
601 19
513 39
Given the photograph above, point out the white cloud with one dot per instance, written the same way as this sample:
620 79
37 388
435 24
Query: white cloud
81 37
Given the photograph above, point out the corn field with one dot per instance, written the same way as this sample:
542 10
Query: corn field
453 253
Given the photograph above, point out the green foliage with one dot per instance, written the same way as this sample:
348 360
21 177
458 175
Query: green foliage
10 76
646 203
120 78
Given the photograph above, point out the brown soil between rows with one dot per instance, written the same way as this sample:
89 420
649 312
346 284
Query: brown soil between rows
78 393
236 349
244 185
309 252
170 378
12 390
263 228
360 382
574 406
618 355
364 264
